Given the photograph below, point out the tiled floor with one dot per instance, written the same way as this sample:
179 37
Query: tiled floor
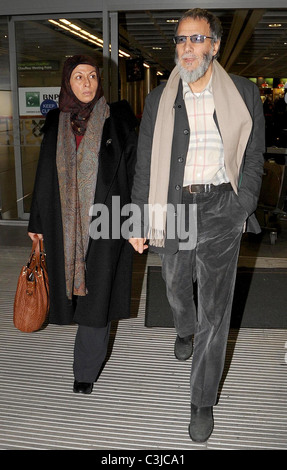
141 401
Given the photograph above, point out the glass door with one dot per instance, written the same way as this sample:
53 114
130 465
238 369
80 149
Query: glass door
41 47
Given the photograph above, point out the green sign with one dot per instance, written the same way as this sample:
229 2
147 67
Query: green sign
32 99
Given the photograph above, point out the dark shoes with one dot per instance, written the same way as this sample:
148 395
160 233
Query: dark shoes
83 387
201 423
183 348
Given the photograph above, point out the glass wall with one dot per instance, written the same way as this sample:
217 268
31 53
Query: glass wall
7 163
41 47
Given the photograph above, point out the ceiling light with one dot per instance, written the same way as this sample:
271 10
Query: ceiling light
275 25
94 42
96 38
172 21
124 54
78 34
75 26
65 21
60 25
82 33
85 32
157 48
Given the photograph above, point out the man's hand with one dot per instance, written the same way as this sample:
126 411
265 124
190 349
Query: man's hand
138 244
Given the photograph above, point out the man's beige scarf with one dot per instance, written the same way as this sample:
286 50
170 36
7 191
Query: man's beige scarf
235 126
77 175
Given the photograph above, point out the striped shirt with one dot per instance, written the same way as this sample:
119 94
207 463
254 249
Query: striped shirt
205 157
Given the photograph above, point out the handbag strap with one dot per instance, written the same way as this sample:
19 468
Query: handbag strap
37 252
42 255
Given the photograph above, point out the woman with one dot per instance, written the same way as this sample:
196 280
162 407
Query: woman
87 157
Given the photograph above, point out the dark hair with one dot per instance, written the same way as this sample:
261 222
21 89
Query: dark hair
214 22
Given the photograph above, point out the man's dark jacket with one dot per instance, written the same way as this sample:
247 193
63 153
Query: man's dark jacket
252 164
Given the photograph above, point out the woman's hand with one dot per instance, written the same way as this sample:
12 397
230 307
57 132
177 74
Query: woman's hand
35 236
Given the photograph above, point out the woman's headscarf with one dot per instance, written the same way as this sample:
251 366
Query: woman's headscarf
69 103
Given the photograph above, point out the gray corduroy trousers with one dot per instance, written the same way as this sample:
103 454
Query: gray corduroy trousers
212 264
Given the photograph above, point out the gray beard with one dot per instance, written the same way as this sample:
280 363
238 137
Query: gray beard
191 76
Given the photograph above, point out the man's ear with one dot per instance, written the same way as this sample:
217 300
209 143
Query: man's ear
216 46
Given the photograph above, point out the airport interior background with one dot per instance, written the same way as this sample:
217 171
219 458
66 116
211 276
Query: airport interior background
142 399
33 49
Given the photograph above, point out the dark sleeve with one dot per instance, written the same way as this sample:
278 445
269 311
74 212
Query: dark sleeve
127 125
35 225
130 156
252 168
140 190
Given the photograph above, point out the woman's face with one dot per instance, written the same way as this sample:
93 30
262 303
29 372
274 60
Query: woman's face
84 82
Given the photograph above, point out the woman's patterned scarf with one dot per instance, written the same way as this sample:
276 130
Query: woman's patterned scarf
77 175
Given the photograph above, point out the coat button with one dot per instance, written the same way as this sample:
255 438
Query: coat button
177 187
186 131
180 159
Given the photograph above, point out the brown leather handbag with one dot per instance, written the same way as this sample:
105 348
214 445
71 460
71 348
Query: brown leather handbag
31 304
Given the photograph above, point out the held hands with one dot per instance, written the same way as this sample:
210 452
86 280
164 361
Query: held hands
139 244
35 236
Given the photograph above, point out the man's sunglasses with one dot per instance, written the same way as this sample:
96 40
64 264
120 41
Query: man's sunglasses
195 39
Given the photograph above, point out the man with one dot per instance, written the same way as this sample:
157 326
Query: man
200 156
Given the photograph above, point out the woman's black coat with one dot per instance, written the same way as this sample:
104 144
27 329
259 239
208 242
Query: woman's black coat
109 261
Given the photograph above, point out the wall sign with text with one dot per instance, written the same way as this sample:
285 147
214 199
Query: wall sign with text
38 101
